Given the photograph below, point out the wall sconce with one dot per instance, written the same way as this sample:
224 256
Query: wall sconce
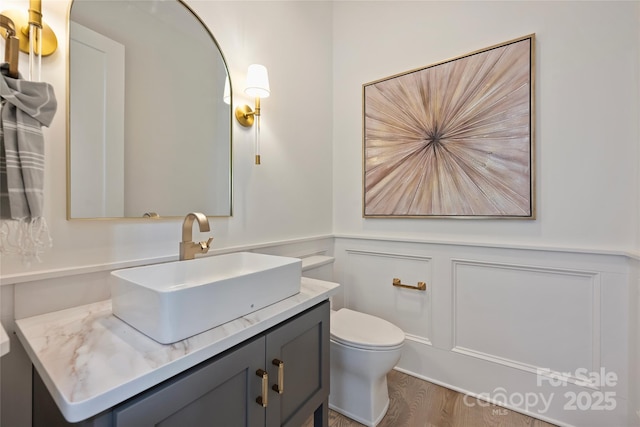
34 36
258 87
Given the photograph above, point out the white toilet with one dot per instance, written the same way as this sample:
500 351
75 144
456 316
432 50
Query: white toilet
364 349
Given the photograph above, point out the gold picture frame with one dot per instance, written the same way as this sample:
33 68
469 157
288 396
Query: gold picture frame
454 139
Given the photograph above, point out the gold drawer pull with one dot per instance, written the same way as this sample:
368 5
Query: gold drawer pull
280 386
262 400
422 286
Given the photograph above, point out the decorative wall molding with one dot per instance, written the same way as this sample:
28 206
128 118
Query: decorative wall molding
389 313
108 266
568 277
388 254
630 254
418 339
85 269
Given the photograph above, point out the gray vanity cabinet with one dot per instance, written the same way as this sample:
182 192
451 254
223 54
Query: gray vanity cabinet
220 393
288 366
302 345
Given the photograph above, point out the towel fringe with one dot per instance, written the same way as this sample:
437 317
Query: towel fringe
28 238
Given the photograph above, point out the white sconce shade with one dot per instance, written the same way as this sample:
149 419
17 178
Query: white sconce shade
226 97
257 81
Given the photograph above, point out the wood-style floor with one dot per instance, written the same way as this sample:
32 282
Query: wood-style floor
418 403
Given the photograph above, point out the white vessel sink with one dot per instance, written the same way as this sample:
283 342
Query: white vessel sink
173 301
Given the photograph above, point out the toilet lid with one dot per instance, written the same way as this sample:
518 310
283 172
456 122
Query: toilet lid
364 331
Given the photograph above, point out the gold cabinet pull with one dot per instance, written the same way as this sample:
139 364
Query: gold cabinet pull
421 286
262 400
280 386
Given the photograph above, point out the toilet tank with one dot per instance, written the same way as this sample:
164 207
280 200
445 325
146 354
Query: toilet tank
318 267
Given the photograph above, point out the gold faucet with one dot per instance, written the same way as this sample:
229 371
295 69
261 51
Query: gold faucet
189 249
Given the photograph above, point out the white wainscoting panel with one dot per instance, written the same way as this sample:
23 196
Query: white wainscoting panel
527 317
370 276
493 316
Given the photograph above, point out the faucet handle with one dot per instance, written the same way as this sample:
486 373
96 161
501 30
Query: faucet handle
205 245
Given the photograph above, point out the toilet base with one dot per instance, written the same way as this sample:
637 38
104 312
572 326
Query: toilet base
364 400
358 419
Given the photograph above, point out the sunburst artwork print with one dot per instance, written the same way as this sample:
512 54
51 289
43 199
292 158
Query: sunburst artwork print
454 139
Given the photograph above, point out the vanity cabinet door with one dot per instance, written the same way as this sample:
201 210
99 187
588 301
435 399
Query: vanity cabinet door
301 346
221 392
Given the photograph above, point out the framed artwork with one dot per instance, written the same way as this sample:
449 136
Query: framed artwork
453 139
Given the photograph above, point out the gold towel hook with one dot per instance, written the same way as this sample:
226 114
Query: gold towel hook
21 28
11 46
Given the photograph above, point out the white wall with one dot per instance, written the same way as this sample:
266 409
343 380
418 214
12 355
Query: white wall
587 110
287 197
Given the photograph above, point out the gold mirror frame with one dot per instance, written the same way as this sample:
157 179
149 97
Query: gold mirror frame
188 170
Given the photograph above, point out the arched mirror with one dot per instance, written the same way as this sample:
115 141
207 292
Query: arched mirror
149 130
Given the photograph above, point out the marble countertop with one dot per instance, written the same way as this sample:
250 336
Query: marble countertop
90 360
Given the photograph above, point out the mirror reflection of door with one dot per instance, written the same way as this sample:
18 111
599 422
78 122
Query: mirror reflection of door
97 129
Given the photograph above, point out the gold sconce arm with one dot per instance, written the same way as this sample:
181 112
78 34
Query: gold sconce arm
246 116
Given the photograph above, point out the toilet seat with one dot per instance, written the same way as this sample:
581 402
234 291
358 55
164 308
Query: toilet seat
360 330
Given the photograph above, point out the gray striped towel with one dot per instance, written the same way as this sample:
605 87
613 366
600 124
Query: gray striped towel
26 107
